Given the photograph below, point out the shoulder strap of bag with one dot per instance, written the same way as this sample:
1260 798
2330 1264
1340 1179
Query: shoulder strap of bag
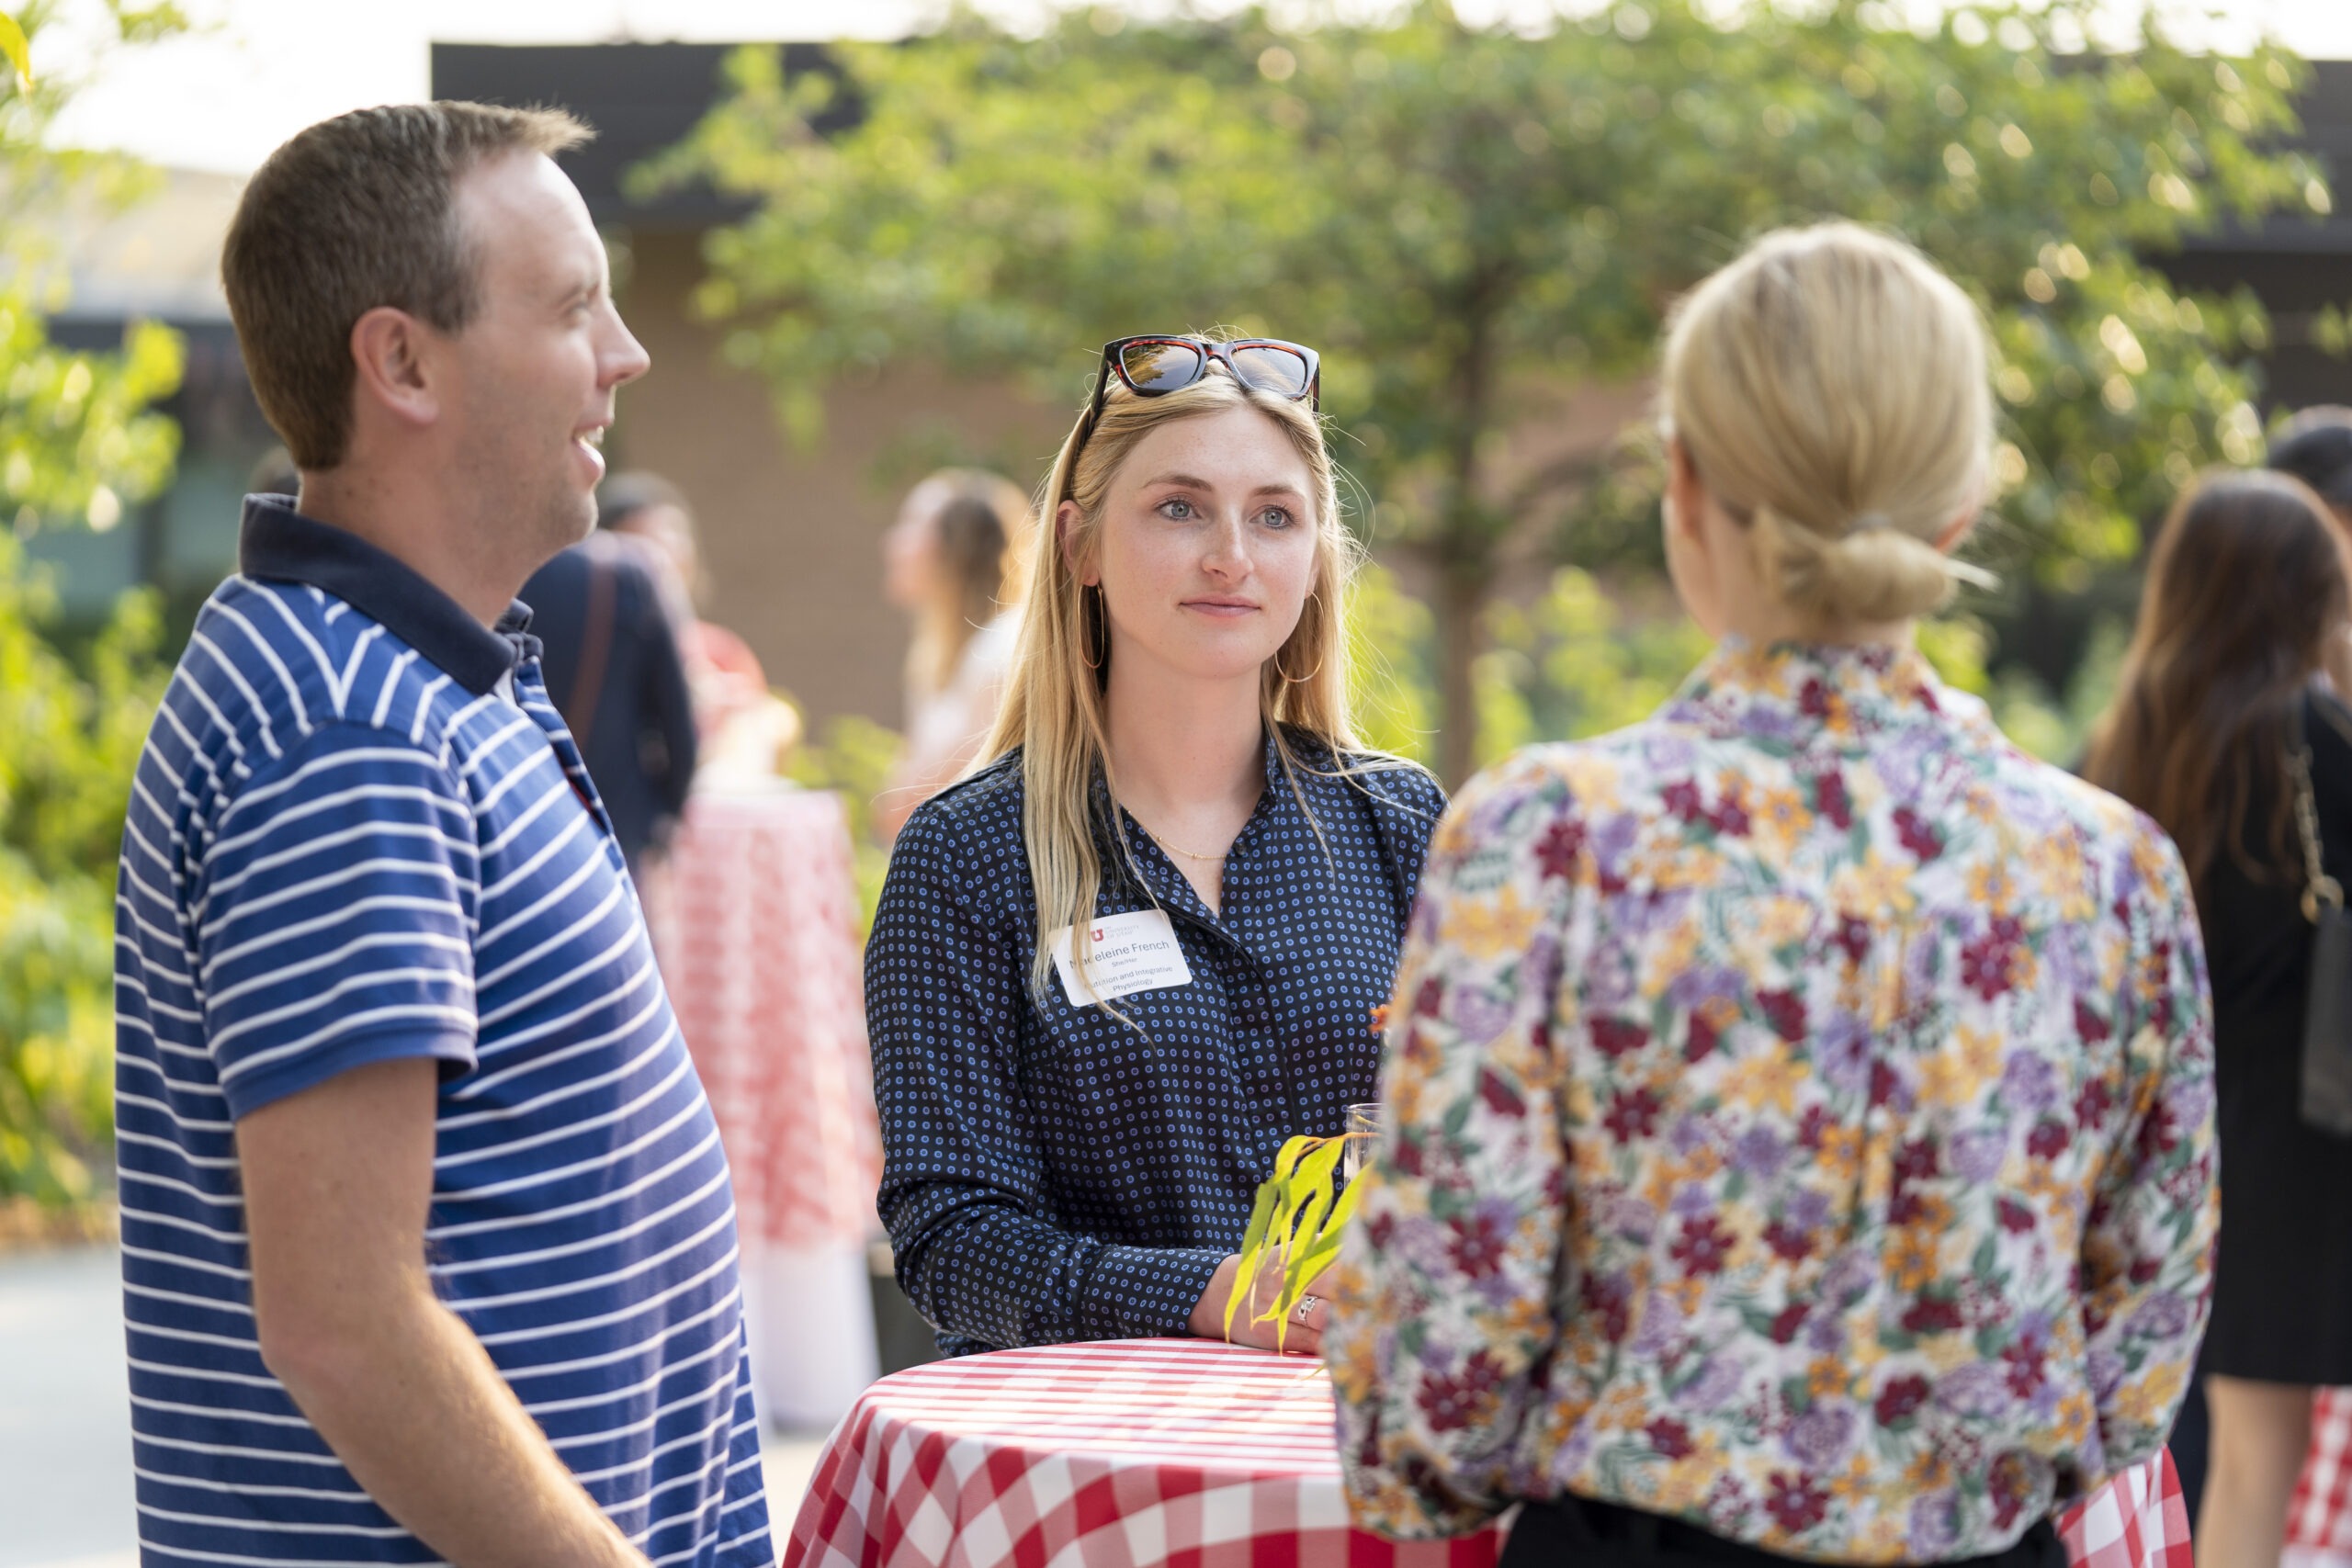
2320 890
596 650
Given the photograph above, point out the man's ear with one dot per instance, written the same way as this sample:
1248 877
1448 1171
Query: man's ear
391 356
1066 518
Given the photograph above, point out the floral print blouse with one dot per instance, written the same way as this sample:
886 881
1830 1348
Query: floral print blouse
1799 1122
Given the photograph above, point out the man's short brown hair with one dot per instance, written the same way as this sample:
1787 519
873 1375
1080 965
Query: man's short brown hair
355 212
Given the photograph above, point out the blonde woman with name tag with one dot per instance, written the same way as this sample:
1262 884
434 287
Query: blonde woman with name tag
1145 942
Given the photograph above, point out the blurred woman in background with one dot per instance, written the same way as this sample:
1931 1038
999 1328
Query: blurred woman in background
952 559
725 675
1800 1102
2245 597
2315 445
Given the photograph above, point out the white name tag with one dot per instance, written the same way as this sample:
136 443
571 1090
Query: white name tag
1132 952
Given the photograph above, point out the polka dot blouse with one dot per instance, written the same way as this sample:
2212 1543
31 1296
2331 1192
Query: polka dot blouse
1051 1173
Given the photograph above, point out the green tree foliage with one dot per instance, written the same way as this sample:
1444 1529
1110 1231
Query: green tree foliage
1474 224
1574 662
69 738
77 442
852 758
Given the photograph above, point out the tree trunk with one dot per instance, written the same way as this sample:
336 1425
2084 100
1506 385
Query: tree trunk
1461 590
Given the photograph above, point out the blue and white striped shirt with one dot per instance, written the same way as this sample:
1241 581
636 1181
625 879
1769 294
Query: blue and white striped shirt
360 832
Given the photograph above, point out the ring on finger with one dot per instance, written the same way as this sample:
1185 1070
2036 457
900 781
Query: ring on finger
1306 1305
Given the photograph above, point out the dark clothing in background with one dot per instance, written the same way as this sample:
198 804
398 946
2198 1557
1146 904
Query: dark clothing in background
1578 1532
2282 1291
597 614
2192 1436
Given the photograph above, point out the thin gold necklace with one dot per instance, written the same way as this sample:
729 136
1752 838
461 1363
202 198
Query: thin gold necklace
1177 849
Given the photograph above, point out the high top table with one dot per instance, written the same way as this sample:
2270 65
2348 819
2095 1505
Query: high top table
2319 1523
754 920
1133 1453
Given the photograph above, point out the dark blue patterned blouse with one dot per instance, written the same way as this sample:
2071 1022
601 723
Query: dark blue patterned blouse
1049 1173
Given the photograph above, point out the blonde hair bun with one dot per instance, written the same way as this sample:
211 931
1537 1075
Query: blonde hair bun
1832 387
1872 572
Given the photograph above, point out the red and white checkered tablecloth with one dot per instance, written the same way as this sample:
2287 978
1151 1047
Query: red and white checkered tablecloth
2138 1520
2319 1523
754 920
1132 1453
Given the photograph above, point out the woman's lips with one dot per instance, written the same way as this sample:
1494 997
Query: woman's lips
1225 608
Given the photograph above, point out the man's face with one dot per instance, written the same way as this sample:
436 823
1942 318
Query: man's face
538 363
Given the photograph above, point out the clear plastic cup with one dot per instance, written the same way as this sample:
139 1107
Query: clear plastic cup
1363 1129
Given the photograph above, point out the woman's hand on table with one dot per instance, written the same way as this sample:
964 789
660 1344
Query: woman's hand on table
1301 1335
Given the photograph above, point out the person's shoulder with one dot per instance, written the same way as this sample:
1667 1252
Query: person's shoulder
2038 798
276 675
569 570
266 647
2327 731
967 838
990 651
1395 783
566 564
983 806
311 675
1550 772
1596 767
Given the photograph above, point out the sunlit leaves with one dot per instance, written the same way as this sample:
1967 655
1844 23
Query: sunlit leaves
18 50
77 427
1295 1224
68 740
78 442
1469 221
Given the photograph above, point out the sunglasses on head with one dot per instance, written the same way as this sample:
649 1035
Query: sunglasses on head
1155 367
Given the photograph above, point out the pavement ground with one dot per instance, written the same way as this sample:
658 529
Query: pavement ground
65 1483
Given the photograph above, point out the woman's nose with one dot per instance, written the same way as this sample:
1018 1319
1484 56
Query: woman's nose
1228 548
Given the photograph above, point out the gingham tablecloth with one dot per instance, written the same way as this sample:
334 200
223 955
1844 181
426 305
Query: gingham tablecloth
1136 1453
754 922
2319 1524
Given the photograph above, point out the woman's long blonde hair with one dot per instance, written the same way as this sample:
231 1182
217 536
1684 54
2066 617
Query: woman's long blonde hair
1054 708
1833 388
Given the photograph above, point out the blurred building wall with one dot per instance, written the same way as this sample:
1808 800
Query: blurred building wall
791 537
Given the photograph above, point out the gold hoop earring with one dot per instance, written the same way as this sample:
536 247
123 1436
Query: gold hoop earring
1090 620
1298 680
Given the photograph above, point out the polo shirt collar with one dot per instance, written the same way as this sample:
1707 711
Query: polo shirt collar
279 545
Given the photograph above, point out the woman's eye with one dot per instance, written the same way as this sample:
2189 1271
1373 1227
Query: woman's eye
1176 509
1274 517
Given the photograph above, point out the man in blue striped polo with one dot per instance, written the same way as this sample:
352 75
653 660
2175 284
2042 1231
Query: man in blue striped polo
428 1247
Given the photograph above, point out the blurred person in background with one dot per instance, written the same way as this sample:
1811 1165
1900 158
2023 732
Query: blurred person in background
952 559
1116 968
614 668
745 731
2315 445
2246 594
1799 1104
722 671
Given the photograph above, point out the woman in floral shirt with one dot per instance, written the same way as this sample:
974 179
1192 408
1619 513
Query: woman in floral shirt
1800 1103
